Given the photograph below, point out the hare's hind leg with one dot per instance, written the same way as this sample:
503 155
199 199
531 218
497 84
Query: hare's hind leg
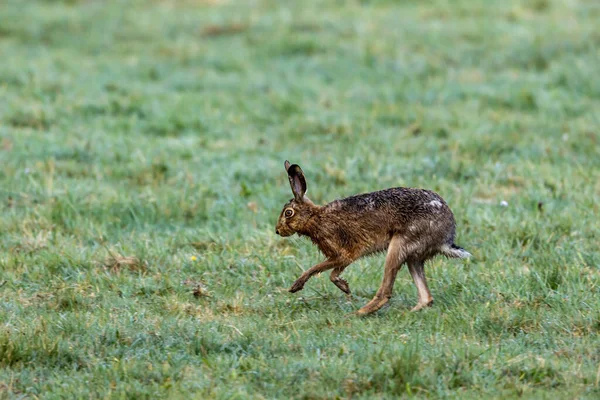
417 271
339 282
396 256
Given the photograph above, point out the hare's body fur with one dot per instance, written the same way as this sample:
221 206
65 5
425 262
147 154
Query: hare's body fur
412 225
365 223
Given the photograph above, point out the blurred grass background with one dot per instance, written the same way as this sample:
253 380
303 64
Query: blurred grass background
142 147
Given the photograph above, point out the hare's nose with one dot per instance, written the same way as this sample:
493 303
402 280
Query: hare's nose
277 231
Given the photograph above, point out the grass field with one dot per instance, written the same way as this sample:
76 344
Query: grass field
142 148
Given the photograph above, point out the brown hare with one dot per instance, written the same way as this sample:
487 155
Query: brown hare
412 225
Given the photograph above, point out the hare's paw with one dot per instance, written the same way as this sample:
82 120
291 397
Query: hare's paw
422 305
373 305
297 286
342 285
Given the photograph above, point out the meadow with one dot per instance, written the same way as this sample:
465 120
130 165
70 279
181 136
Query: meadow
141 177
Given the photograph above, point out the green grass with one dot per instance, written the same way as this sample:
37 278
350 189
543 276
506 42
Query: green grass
142 148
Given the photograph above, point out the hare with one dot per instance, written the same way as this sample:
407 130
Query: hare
412 225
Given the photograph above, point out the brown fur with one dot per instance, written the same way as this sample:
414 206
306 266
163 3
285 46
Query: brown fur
412 225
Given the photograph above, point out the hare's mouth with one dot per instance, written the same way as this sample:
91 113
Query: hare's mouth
283 232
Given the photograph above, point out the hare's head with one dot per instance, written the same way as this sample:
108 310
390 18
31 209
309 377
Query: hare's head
297 212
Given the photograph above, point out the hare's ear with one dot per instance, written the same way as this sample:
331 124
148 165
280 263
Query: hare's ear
297 180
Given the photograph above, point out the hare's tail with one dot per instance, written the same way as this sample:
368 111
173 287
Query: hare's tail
454 251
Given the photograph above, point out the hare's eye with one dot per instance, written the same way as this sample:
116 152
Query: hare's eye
289 212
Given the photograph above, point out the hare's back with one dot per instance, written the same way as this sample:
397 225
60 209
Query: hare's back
399 199
396 209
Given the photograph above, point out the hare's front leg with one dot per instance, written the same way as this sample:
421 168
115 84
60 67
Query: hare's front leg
339 282
396 256
324 266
